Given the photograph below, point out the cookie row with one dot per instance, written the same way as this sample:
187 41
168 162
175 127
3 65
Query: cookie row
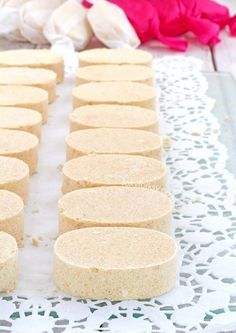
113 219
27 85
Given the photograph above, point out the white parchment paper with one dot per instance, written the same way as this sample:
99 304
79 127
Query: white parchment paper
41 220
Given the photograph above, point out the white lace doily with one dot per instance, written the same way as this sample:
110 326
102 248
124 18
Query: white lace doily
204 221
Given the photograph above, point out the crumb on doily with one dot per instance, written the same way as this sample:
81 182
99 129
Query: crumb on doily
216 130
167 141
195 133
55 290
197 199
226 118
35 242
59 167
179 97
35 211
9 291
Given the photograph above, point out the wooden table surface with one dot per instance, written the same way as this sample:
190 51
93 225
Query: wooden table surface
221 57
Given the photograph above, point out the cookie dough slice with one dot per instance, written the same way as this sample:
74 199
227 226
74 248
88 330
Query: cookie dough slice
12 215
22 145
115 73
113 116
25 97
46 59
8 262
113 170
131 93
115 207
103 263
113 141
21 119
123 56
14 176
34 77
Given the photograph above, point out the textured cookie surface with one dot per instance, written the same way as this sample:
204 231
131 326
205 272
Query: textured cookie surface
114 73
7 245
14 176
11 215
25 97
34 77
21 119
113 116
34 59
114 56
113 170
131 93
8 262
102 263
21 145
115 206
113 141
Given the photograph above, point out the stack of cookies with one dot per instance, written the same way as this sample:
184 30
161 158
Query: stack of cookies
114 216
27 84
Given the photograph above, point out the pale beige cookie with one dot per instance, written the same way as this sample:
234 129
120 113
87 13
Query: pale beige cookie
21 119
122 56
12 215
113 116
113 141
25 97
114 73
33 77
113 170
14 176
116 206
46 59
8 262
115 263
22 145
131 93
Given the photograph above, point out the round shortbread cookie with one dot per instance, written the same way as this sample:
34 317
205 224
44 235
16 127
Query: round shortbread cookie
46 59
25 97
121 56
113 170
14 176
22 145
130 93
114 73
113 116
113 141
33 77
21 119
8 262
116 206
115 263
12 215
